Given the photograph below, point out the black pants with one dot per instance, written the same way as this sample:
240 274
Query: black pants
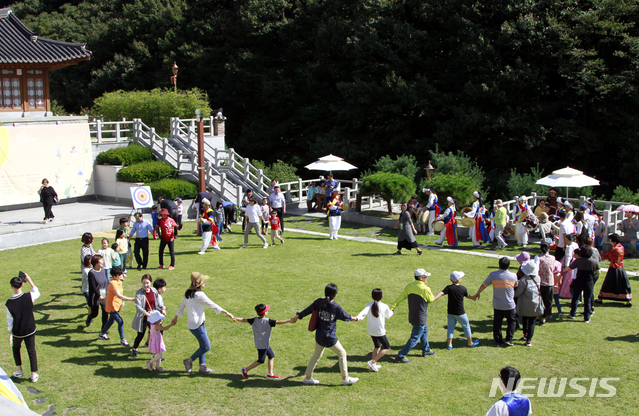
95 310
229 215
140 336
559 253
48 214
510 329
141 244
171 250
529 326
29 342
588 296
546 293
280 215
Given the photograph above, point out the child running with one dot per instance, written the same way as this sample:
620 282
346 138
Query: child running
456 313
275 228
123 247
262 335
377 312
108 255
156 343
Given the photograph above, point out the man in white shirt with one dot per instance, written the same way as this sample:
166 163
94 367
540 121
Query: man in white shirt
253 214
565 227
277 202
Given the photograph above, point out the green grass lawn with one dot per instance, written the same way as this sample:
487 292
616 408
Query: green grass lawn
98 378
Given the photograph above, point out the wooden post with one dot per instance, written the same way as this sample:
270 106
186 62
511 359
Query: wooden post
358 203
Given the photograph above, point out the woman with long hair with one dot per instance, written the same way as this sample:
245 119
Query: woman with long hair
194 302
328 312
98 283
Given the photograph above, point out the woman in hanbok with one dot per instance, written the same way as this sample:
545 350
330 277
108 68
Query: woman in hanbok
479 233
450 224
616 285
406 238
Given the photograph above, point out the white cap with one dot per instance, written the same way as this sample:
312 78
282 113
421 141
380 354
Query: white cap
421 272
476 194
455 276
206 201
424 190
522 198
155 316
450 199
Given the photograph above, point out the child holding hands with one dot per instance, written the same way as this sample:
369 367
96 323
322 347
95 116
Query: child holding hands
456 313
262 335
377 312
156 342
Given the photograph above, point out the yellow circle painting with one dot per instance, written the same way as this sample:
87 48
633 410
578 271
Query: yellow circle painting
4 144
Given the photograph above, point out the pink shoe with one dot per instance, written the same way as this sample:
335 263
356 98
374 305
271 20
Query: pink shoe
149 365
171 268
160 369
273 376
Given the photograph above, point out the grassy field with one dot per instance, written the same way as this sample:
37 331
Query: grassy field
80 372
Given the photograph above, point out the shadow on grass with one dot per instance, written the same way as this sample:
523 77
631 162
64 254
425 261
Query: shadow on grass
256 381
371 254
626 338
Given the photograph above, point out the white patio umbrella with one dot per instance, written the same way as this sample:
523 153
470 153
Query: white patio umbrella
330 163
568 178
628 208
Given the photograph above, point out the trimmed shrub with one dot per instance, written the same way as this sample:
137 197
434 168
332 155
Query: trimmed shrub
147 172
173 188
281 171
155 107
125 156
459 186
388 186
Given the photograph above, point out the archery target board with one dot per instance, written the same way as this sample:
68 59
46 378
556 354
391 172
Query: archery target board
141 196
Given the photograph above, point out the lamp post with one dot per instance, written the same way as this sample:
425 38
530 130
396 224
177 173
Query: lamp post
200 151
429 171
174 68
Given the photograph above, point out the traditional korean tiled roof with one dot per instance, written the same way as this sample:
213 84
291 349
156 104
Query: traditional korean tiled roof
19 45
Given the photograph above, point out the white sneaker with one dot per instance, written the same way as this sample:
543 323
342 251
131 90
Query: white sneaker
216 247
330 238
201 252
244 246
18 373
350 381
372 366
310 382
34 377
265 245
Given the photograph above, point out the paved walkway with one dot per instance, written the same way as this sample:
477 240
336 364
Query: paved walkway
73 218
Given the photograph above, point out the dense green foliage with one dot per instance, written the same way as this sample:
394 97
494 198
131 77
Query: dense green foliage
125 156
524 184
623 194
389 186
147 172
281 171
460 187
512 84
155 107
405 165
173 188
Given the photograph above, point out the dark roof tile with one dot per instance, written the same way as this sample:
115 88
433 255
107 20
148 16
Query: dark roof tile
19 45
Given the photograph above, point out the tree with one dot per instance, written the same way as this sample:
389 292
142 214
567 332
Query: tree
459 186
404 165
389 186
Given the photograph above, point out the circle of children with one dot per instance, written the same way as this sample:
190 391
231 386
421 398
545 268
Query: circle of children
523 298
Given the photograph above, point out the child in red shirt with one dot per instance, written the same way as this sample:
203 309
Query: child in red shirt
275 228
166 229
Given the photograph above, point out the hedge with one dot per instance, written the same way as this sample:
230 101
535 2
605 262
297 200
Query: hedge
147 172
125 155
173 188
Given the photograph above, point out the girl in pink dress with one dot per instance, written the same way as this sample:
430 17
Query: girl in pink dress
156 343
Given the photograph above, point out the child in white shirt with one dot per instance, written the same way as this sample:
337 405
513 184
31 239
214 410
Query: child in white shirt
377 313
